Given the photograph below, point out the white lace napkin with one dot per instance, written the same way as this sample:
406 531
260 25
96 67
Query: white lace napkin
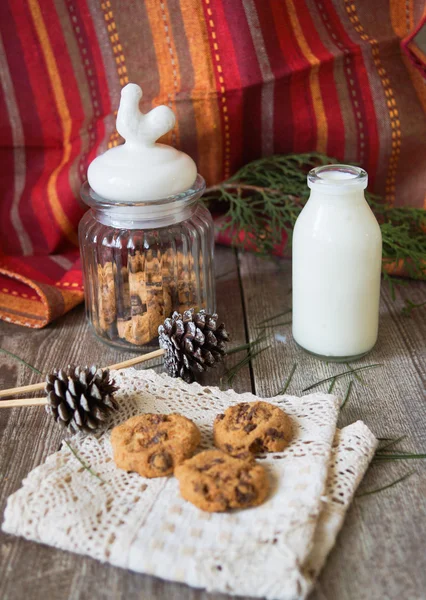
274 550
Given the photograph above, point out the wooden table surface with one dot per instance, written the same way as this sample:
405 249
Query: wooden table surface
380 553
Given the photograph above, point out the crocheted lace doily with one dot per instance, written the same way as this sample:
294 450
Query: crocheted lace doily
274 550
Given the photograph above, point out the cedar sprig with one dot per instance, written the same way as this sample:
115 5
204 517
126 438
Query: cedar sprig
264 198
410 306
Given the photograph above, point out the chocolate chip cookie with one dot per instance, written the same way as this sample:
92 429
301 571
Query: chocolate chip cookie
153 445
215 481
252 427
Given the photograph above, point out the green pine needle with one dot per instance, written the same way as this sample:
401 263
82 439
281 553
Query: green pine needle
410 306
360 379
21 360
81 461
288 380
348 392
249 346
233 371
332 384
387 486
351 371
273 325
221 275
390 442
398 456
281 314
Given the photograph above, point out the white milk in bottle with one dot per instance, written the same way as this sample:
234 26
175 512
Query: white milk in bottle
337 252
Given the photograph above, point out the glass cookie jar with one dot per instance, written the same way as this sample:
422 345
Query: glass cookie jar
144 260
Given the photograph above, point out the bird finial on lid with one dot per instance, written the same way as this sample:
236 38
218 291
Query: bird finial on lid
139 128
141 169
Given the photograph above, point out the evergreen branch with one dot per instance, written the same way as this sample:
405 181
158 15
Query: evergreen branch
241 187
410 306
264 198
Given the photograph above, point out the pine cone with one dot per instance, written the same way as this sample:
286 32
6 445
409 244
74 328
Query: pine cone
80 398
193 342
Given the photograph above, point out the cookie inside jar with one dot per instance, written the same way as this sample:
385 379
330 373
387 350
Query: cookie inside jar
133 300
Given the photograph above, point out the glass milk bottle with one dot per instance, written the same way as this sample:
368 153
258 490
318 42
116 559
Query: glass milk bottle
337 252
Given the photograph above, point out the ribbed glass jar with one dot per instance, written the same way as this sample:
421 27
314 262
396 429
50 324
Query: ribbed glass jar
142 261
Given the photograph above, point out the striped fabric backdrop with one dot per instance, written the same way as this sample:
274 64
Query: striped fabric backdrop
246 78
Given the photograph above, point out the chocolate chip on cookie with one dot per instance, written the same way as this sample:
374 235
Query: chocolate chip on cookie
215 481
153 445
252 427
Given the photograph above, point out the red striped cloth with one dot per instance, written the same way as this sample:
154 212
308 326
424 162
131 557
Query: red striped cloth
246 78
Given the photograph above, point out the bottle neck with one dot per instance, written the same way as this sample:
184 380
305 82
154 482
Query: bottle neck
343 198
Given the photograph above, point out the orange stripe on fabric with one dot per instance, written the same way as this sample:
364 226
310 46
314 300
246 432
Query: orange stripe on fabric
390 100
402 18
65 117
167 59
33 309
206 111
119 58
318 104
222 96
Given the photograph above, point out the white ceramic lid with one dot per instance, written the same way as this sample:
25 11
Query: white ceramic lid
140 169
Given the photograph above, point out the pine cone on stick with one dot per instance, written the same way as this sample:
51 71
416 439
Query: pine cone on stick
193 342
80 398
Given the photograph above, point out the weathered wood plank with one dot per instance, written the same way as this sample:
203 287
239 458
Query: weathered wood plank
380 552
28 436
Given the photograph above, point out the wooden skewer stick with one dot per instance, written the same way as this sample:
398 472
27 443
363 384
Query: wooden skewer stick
136 360
23 402
36 387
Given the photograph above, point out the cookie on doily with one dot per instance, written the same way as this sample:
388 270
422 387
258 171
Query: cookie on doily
216 482
153 445
252 427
